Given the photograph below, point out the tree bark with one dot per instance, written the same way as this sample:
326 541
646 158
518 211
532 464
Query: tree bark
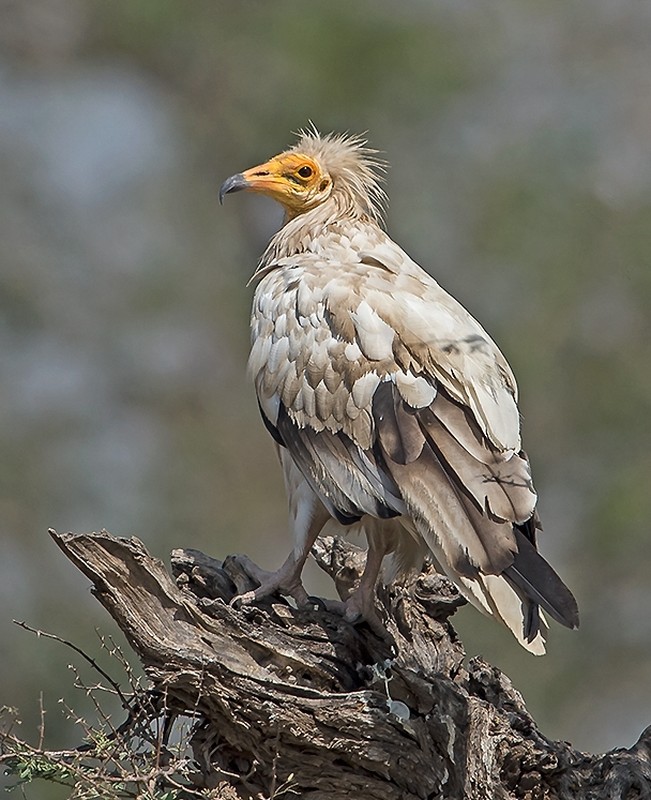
304 700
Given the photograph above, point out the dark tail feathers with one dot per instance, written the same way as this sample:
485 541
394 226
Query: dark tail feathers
533 575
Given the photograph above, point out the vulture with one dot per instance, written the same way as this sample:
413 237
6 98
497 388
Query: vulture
392 409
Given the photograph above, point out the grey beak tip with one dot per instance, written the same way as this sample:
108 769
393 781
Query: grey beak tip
233 184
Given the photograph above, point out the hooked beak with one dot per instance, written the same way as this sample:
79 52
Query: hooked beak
236 183
266 179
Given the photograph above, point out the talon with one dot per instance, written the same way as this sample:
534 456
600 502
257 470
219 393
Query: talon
285 581
316 603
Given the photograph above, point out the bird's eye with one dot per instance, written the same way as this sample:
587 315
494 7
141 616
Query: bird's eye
305 172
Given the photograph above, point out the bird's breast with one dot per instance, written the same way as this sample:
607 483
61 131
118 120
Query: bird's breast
307 359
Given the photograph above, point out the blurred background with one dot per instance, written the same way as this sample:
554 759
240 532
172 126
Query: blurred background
519 138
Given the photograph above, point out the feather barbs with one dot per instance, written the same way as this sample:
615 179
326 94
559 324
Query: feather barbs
391 400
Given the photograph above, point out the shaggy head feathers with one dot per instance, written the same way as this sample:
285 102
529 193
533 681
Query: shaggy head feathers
356 171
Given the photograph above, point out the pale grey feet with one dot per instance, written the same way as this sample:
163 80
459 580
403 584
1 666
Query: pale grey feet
286 580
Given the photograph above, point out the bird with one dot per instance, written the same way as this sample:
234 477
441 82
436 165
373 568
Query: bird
393 411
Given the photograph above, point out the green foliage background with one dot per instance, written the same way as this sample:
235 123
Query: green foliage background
519 141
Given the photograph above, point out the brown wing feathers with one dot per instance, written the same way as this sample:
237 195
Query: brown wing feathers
347 479
495 496
452 486
397 428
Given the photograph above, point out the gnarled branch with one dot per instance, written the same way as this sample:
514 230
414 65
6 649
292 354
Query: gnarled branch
302 700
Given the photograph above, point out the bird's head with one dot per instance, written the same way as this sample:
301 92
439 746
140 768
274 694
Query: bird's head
315 169
297 181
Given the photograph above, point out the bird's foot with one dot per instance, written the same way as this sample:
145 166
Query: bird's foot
286 581
358 608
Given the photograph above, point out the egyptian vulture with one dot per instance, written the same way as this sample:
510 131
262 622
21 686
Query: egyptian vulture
392 408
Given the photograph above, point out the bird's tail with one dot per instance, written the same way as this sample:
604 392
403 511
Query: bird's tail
539 583
494 595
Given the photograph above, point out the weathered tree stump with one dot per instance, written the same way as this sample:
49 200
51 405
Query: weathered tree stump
305 700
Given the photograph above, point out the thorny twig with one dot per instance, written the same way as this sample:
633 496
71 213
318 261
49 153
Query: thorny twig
79 651
110 757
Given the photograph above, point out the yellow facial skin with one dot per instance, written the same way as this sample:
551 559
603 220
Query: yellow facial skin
294 180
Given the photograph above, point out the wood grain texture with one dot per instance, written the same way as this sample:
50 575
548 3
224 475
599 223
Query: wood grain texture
283 693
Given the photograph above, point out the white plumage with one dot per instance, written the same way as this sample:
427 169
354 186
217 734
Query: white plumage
393 409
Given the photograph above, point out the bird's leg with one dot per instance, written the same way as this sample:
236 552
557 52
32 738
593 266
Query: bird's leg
360 604
307 517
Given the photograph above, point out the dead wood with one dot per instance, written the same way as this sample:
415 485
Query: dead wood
300 703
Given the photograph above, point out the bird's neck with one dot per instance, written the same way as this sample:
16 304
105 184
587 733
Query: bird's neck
300 232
